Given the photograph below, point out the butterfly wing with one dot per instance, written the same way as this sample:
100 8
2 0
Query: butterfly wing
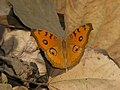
76 43
52 47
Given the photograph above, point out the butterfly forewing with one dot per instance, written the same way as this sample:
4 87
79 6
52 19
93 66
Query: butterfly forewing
80 35
45 39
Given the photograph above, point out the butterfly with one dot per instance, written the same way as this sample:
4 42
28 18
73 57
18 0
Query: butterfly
66 53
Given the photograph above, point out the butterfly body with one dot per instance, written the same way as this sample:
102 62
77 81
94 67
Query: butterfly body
65 53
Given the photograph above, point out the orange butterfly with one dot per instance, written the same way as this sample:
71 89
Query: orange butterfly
66 53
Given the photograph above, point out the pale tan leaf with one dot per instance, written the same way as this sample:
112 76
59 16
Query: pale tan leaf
31 45
15 42
86 84
4 78
33 57
5 87
95 71
20 88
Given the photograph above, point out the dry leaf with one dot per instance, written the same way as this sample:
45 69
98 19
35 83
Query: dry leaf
114 51
21 45
95 72
86 84
5 87
31 45
60 6
20 88
74 14
4 78
15 42
39 14
104 16
33 57
101 72
4 8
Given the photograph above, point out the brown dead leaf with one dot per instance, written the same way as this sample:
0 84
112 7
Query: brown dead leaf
39 14
15 42
104 16
4 8
20 44
114 51
60 6
95 72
